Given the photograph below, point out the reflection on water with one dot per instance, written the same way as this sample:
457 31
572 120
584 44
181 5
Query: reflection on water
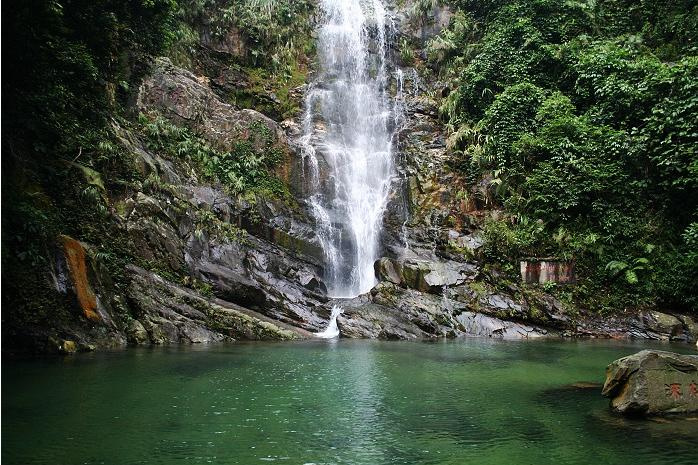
331 402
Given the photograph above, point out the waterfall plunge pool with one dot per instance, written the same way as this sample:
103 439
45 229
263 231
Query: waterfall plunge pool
465 401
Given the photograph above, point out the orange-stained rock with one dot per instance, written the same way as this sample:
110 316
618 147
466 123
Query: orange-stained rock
75 257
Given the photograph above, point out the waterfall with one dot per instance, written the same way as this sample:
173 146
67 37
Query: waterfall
332 329
348 125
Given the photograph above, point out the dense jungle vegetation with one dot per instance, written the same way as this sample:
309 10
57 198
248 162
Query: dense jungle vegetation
582 118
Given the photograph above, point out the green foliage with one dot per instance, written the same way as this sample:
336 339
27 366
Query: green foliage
27 228
201 287
278 26
270 93
247 167
669 136
510 116
65 61
581 118
406 52
456 45
617 80
268 42
207 221
504 239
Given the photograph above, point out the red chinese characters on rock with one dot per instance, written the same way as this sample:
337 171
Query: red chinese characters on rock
673 390
693 389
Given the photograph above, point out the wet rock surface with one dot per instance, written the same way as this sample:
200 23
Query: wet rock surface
393 312
640 325
170 314
653 382
430 276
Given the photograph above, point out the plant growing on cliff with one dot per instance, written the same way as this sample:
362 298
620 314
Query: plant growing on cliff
208 221
247 167
277 25
406 52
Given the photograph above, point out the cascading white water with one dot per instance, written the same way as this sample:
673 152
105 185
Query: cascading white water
332 329
347 140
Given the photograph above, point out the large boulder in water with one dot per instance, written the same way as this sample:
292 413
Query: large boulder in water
653 382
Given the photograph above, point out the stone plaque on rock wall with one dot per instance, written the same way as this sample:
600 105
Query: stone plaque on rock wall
543 271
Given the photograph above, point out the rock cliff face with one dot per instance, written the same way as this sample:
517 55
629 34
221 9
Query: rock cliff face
223 267
227 267
181 97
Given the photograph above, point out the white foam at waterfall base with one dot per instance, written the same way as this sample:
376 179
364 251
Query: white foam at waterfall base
332 329
347 141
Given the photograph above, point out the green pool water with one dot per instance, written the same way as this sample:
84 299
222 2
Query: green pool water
472 401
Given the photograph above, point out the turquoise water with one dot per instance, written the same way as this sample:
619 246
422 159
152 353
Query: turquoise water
472 401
